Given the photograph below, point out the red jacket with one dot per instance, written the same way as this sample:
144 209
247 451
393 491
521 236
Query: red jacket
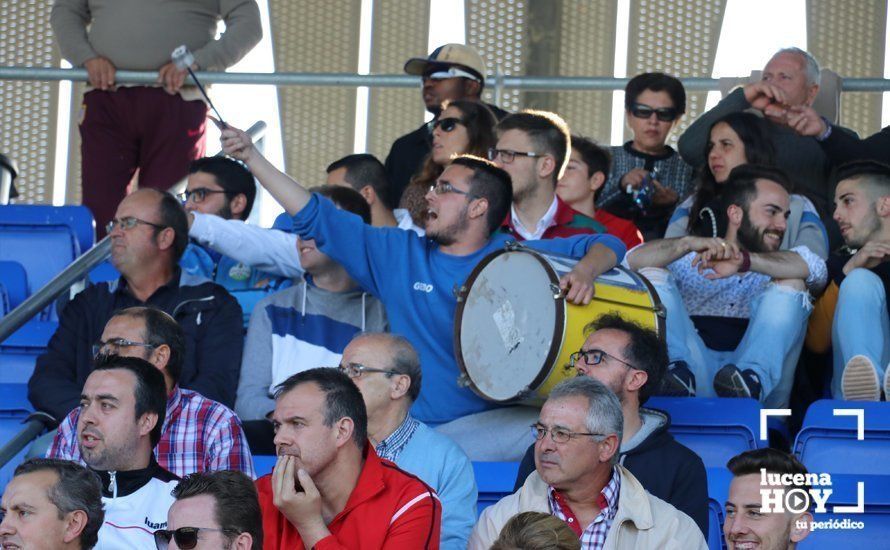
388 509
622 228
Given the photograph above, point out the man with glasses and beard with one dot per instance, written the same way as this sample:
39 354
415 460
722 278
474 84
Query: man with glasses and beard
737 306
415 278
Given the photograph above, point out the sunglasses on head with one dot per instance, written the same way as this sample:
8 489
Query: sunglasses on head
447 124
664 114
185 537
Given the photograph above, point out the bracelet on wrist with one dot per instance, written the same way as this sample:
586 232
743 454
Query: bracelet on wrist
746 262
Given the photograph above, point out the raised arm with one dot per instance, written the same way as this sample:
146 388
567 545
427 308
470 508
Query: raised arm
289 194
662 252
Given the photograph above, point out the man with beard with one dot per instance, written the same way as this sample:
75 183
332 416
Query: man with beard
534 148
578 478
746 526
122 409
221 187
631 361
739 301
329 488
853 312
415 279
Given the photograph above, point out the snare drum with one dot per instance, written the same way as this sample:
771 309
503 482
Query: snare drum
514 331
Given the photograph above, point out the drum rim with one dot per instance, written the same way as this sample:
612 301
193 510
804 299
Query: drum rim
558 328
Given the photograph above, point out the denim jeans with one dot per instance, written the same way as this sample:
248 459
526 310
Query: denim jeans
861 325
770 347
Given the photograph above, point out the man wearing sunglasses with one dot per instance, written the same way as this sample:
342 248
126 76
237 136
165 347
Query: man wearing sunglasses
222 187
451 71
578 479
213 511
534 147
329 488
148 236
415 278
648 177
631 361
386 369
199 434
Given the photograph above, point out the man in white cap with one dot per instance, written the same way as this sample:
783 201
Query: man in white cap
450 72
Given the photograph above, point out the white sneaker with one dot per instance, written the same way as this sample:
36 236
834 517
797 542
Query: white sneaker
860 380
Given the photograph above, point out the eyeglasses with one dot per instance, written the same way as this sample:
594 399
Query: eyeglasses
507 156
129 222
198 195
355 370
558 435
185 537
114 346
593 357
443 187
447 124
664 114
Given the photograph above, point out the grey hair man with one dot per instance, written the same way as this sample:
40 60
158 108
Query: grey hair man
386 369
51 503
578 480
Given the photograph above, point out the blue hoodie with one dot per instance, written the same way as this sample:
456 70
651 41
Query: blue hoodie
415 280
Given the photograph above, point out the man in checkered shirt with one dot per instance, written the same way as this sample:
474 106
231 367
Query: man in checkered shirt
198 434
578 480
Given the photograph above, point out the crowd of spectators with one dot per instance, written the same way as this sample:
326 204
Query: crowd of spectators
348 370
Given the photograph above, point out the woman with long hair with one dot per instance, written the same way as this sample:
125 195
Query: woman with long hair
463 127
736 139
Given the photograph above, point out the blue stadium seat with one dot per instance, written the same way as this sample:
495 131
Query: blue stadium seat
716 429
495 481
875 519
827 443
247 299
44 239
14 408
105 272
718 489
263 464
14 281
19 352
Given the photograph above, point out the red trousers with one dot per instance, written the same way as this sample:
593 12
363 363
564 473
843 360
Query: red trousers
135 127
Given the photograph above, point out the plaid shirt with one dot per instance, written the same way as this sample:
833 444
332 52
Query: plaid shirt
594 536
198 435
391 447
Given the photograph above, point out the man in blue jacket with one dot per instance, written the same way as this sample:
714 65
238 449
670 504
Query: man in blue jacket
415 276
387 371
631 360
148 234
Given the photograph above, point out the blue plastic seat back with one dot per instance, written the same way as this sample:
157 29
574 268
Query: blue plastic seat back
78 219
43 251
828 442
263 464
715 429
14 408
105 272
494 480
247 298
875 519
718 489
20 351
14 280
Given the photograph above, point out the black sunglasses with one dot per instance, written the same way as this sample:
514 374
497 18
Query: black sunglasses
185 537
664 114
447 124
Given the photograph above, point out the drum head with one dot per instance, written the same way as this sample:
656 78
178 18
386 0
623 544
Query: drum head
508 324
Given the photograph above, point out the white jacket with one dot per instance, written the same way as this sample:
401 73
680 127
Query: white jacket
643 521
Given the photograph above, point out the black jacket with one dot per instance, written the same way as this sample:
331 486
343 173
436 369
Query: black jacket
665 468
407 153
209 316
